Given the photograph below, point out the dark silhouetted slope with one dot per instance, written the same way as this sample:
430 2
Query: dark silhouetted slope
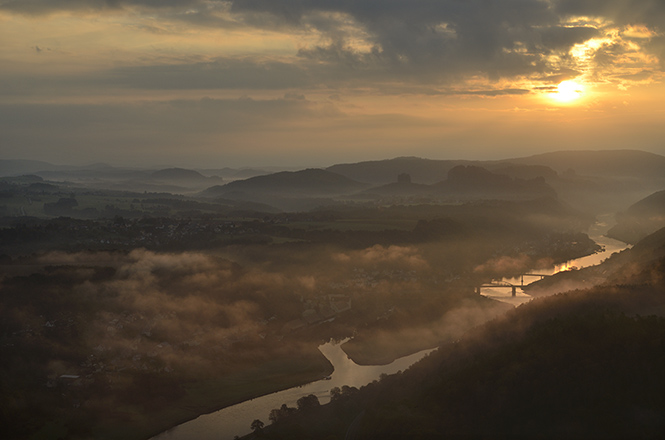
640 219
472 182
309 182
653 205
478 183
386 171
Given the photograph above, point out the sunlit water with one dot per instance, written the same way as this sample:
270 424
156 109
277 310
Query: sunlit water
235 420
596 233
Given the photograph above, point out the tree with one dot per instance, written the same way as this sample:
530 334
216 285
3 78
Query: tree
283 412
257 425
274 416
335 393
309 401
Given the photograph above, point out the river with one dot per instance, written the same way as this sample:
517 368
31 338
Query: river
226 423
596 233
235 420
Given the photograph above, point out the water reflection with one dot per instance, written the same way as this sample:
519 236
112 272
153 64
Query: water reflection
235 420
596 233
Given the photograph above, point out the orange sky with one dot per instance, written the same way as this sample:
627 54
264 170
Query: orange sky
314 82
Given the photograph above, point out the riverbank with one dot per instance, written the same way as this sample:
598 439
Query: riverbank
236 420
203 397
383 344
379 352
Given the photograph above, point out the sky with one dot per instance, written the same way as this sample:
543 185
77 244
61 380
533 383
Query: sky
207 83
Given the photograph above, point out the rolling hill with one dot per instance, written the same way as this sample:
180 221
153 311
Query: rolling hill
425 171
602 163
311 182
640 219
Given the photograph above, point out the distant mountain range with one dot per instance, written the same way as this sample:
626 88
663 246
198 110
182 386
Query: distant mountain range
598 181
603 163
465 182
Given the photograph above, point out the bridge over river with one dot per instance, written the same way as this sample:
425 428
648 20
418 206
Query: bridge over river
506 284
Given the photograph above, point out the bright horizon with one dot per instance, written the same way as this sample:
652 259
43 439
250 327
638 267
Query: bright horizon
207 84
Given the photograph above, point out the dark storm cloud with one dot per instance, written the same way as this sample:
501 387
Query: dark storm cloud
422 36
498 38
650 12
429 40
558 37
439 40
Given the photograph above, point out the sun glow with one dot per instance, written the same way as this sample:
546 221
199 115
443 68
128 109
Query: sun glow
568 91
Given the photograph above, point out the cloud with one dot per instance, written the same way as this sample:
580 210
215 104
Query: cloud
649 12
505 265
185 309
413 77
342 43
491 92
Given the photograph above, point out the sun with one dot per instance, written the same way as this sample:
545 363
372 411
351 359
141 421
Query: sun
568 91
